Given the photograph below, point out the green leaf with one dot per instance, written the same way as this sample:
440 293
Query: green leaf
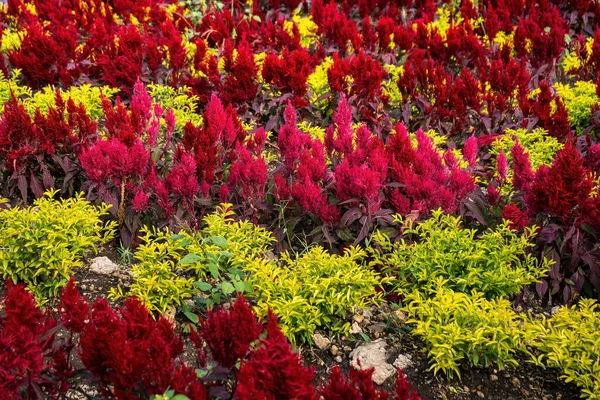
191 316
365 337
205 287
180 397
239 286
220 241
227 288
190 259
201 373
214 270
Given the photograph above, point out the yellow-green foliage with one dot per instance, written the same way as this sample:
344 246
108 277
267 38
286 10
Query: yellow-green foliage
318 83
540 146
572 61
12 84
183 105
570 340
494 263
157 280
168 265
315 132
246 240
89 96
390 86
306 27
314 289
457 326
578 100
40 245
11 40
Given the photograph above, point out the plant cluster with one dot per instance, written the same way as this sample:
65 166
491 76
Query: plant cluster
495 262
313 289
127 354
458 326
42 244
170 268
569 340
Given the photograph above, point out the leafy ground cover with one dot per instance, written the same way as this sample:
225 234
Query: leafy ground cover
420 172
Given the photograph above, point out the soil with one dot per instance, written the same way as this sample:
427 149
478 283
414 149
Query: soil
524 382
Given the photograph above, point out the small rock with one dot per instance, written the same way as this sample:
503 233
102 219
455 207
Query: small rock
525 393
103 265
519 309
494 378
480 394
377 335
334 350
373 355
321 341
401 315
189 302
339 359
367 314
170 315
466 389
358 318
515 382
403 361
347 349
554 310
355 329
84 287
378 327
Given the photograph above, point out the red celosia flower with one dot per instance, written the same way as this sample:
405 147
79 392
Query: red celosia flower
47 58
335 25
182 179
518 219
470 151
112 160
140 200
229 334
564 189
289 72
428 182
522 173
273 371
249 173
25 341
129 352
240 83
502 166
74 310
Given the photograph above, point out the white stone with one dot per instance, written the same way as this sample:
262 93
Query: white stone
403 361
321 341
355 329
103 265
373 355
